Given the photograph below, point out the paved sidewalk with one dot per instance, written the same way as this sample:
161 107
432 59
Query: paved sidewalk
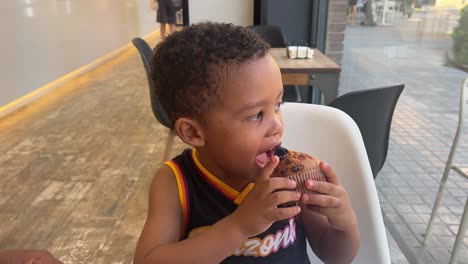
423 128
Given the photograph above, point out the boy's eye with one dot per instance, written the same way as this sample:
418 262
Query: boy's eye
278 106
256 117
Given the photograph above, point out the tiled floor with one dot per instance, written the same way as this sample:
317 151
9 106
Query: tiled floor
75 166
423 127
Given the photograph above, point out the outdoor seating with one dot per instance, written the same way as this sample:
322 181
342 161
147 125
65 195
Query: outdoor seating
462 170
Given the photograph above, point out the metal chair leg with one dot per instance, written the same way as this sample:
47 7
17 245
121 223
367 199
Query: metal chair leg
170 140
460 235
440 193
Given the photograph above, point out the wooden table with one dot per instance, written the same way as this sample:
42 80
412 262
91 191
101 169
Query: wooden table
320 72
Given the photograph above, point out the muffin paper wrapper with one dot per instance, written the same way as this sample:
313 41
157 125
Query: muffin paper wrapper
300 178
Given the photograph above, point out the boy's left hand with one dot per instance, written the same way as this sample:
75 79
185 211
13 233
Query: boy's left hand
330 200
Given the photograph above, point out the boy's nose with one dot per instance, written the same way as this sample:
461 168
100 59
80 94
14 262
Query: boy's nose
277 125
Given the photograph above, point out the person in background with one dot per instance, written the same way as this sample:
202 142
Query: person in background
408 8
165 15
352 10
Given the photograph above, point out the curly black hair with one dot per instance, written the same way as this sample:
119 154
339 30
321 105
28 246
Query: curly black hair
190 65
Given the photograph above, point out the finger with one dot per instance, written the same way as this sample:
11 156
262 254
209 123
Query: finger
324 188
280 183
322 200
314 208
329 173
266 172
286 212
282 197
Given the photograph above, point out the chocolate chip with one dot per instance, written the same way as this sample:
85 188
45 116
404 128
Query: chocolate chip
296 168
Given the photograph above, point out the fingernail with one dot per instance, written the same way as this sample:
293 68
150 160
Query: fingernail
305 198
298 194
310 183
325 164
293 183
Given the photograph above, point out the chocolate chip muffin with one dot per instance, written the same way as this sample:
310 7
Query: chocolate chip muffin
299 167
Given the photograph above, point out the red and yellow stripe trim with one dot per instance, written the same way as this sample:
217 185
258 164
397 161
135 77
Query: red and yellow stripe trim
219 185
183 194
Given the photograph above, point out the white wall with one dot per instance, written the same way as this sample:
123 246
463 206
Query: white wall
43 40
238 12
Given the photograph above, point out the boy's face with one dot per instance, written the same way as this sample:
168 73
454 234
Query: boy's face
243 129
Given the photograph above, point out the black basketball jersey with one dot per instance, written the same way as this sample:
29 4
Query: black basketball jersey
205 200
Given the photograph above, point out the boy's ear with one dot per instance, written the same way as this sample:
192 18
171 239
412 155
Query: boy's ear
190 131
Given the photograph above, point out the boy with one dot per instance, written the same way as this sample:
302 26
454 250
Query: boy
216 202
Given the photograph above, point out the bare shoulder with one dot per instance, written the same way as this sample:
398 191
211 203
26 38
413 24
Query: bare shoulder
164 185
163 222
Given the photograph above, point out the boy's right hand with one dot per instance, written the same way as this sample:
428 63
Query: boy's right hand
260 209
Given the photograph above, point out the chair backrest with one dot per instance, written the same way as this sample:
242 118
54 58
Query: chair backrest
461 116
146 55
372 110
333 136
271 34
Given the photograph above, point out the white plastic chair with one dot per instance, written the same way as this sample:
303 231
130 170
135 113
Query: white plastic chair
331 135
462 171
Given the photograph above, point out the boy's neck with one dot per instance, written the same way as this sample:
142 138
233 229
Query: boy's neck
234 182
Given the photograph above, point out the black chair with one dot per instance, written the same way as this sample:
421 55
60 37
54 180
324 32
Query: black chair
146 55
372 110
275 37
271 34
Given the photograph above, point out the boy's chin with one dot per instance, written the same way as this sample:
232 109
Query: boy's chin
253 177
248 175
251 174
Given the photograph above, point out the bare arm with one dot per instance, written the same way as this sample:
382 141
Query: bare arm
330 245
330 222
159 240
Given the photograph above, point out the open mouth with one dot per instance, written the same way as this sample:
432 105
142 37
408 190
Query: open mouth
263 158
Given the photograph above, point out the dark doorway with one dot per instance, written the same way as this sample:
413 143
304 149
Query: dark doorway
185 13
300 20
